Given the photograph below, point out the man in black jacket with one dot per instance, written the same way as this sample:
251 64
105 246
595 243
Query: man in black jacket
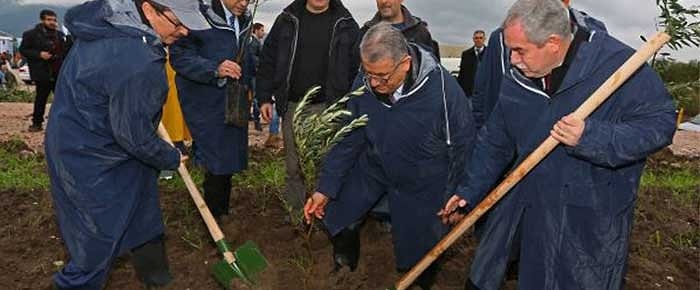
413 28
470 60
310 44
44 46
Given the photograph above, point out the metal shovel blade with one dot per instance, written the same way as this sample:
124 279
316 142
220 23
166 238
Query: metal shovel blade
249 263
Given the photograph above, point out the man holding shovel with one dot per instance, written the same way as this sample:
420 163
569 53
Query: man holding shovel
204 62
571 216
102 150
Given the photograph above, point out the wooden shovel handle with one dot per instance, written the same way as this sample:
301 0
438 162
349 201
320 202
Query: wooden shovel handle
209 220
598 97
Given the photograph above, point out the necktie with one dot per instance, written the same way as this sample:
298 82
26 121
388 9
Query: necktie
234 24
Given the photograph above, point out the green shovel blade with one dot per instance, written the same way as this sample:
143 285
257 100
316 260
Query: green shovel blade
249 263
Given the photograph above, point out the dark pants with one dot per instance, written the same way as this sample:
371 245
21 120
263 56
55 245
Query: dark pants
217 193
43 90
296 190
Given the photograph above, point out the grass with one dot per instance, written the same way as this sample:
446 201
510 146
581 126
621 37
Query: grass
18 96
684 183
20 169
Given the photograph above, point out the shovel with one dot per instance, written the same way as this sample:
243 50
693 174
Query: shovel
596 99
245 262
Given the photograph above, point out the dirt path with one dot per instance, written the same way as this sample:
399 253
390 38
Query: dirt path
15 120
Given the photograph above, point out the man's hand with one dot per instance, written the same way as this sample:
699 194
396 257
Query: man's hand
315 207
446 213
266 112
45 55
568 130
229 69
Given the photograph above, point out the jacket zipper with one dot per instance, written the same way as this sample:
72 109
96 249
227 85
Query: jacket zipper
294 50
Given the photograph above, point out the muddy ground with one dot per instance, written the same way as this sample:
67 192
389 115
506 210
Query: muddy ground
664 250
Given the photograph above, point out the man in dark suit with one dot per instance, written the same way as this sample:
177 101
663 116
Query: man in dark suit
470 60
44 46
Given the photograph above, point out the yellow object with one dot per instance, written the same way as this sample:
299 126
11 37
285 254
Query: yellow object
680 117
172 118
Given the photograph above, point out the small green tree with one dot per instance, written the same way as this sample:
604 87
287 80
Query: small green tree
680 23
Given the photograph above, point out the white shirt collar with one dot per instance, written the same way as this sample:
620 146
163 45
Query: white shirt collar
398 94
236 25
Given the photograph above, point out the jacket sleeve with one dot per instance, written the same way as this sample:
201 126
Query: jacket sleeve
264 81
134 108
462 71
354 52
487 81
493 153
27 48
646 125
189 64
463 134
340 159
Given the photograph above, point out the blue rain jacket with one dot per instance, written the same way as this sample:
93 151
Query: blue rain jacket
402 152
102 150
573 212
496 61
196 58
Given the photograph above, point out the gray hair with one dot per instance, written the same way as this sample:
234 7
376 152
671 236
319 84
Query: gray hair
383 41
540 19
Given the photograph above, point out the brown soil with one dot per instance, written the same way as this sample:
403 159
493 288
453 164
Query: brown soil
30 245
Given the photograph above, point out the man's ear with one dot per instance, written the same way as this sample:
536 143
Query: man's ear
406 63
554 43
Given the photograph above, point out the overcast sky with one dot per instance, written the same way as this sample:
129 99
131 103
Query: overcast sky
453 21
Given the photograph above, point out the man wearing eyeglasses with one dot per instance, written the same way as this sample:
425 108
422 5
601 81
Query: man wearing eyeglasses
102 150
412 150
205 62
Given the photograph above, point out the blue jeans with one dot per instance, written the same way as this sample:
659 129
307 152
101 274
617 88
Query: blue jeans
275 122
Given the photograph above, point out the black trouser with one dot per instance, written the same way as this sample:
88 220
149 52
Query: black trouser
43 90
217 193
346 252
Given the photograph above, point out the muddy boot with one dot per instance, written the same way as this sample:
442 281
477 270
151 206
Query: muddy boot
346 248
425 281
151 264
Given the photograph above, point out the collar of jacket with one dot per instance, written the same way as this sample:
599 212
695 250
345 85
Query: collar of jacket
336 8
408 18
422 64
590 57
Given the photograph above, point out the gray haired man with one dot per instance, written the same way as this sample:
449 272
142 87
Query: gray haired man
570 218
412 152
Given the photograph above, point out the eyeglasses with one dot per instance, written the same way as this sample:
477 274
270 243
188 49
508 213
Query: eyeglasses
385 79
160 9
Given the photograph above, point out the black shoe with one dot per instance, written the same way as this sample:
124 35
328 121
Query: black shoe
346 248
151 264
35 128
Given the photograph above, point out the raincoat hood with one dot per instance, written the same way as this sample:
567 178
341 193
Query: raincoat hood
105 19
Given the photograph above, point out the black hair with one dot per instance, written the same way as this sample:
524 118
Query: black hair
480 32
257 26
158 7
46 12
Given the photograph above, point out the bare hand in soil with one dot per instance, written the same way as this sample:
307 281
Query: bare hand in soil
316 206
446 212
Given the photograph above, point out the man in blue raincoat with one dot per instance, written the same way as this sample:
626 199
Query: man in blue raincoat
571 216
412 150
495 62
102 149
204 62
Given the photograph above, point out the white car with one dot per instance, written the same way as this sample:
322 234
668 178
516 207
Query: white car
23 73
